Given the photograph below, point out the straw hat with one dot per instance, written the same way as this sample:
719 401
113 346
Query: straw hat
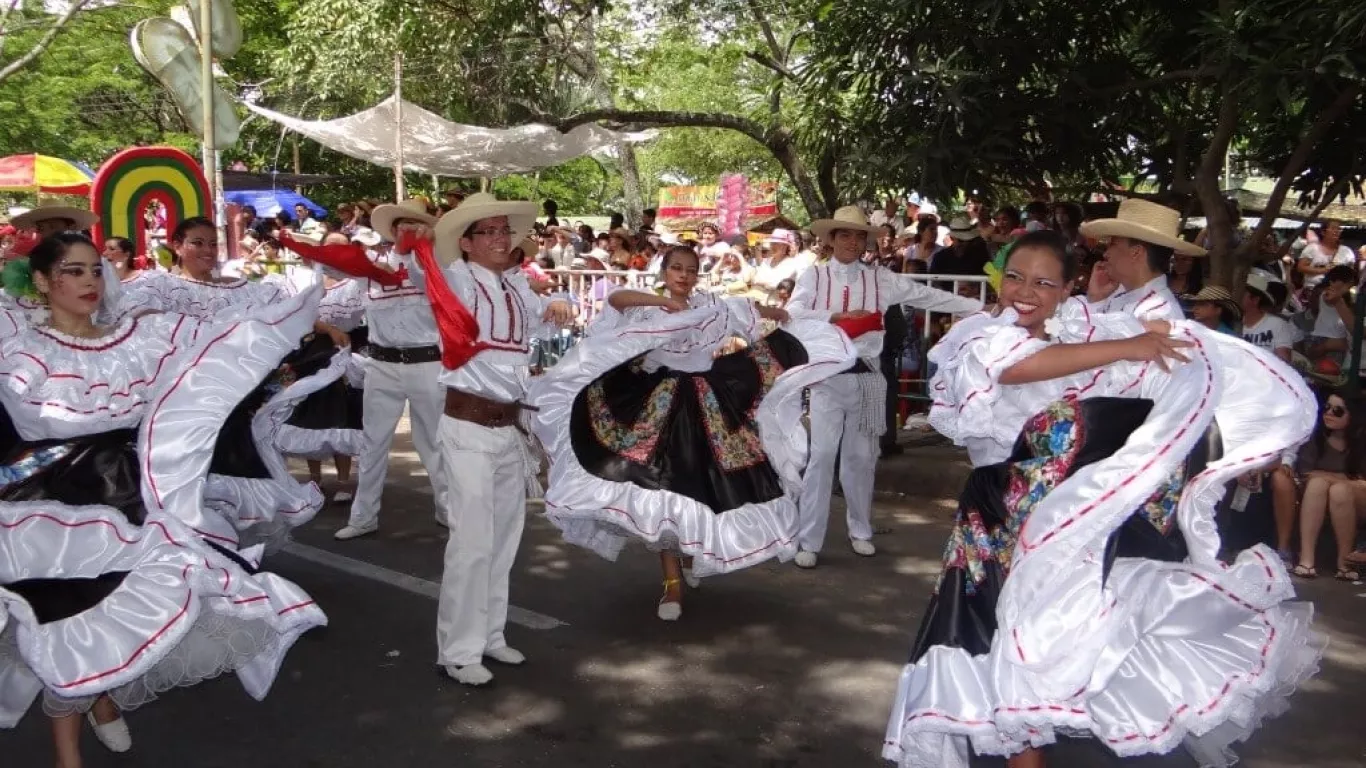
1146 222
366 237
521 217
1218 294
962 228
84 219
848 217
383 217
530 247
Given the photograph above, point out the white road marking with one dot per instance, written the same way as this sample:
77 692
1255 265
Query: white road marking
406 582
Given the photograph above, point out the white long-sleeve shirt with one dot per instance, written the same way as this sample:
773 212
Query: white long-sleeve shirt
1151 301
827 289
399 316
509 315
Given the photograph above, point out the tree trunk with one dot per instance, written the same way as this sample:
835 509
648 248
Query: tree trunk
1224 268
630 185
632 195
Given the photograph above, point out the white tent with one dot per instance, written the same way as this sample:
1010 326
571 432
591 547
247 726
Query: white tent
432 144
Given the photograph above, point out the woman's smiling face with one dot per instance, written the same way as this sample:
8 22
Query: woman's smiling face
1033 285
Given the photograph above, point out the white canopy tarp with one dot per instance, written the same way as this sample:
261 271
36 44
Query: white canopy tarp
432 144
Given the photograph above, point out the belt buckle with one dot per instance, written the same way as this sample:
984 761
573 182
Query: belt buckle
403 356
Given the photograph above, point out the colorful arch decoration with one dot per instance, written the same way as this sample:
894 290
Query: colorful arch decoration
133 178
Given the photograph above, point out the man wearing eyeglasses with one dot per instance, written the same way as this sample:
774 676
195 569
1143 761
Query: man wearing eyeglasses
484 450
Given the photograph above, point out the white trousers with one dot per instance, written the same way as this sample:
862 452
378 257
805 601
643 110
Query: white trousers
486 511
835 435
388 386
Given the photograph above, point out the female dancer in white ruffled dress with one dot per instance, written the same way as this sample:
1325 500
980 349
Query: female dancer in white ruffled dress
340 432
116 583
653 437
1116 619
267 506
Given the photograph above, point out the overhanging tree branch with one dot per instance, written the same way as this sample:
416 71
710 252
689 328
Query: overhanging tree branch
638 119
58 25
1300 158
777 139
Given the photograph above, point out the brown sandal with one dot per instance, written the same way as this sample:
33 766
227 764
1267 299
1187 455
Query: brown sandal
1305 572
1347 574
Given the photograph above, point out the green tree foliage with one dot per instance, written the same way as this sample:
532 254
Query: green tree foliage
1005 95
85 97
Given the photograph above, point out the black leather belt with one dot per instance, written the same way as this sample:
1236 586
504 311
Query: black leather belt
404 355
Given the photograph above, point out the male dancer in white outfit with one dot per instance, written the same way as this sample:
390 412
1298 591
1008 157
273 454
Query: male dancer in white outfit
403 366
486 453
1142 238
846 410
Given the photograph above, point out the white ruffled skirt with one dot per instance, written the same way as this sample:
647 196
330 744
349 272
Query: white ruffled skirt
1156 654
693 464
92 603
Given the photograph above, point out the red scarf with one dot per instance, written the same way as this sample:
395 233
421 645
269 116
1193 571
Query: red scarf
855 328
458 329
349 258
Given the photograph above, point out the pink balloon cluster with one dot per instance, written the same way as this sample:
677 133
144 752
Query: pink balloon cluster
732 204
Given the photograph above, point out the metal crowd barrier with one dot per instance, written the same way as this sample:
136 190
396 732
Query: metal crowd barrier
588 290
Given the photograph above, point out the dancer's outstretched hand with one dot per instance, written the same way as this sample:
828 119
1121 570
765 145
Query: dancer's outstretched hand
559 312
774 313
1156 348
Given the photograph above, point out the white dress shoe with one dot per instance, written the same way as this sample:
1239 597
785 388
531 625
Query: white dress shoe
691 580
354 532
863 547
113 735
505 655
806 559
470 674
670 611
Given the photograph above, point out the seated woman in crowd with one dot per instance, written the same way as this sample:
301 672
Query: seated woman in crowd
1331 468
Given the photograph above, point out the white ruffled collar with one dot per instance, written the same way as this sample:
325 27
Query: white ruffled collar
118 333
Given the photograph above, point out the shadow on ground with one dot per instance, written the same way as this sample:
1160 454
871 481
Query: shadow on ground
772 667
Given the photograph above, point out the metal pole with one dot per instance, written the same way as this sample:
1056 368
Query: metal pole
206 88
210 161
398 127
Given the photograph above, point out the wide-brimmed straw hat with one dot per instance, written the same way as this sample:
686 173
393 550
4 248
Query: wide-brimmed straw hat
1146 222
521 217
383 217
962 228
849 217
1218 295
84 219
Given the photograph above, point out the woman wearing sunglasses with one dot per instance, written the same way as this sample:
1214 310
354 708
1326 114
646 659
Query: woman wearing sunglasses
1332 465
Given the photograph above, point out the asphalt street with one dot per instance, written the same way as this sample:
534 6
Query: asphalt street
771 667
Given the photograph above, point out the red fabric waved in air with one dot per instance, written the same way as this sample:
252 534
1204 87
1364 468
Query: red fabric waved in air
856 327
458 329
349 258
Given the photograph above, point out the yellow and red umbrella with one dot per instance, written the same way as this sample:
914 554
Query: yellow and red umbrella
40 173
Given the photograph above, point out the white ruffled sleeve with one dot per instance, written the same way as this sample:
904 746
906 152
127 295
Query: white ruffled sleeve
967 396
1077 322
743 316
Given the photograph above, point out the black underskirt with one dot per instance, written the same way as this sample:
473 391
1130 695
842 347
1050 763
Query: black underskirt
336 406
707 451
103 469
962 612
